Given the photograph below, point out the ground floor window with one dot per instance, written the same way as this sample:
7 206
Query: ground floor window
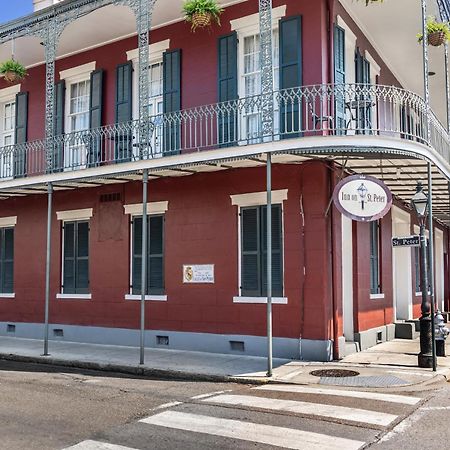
254 251
155 252
417 268
76 257
6 260
375 279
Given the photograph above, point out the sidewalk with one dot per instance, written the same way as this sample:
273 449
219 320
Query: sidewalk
391 364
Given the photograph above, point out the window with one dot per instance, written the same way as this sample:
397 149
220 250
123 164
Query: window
250 84
375 280
155 253
6 260
75 257
254 251
7 130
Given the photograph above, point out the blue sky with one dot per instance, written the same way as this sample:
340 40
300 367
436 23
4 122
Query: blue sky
12 9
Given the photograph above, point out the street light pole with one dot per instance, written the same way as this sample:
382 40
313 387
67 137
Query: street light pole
425 358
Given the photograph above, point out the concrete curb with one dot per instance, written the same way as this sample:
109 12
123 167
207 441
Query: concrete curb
133 370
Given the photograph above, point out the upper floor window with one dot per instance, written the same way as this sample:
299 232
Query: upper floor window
78 113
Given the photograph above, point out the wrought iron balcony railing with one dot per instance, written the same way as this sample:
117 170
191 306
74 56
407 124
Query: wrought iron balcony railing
321 110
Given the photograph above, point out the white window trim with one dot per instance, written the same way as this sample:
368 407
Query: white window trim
260 300
8 295
376 296
8 94
375 69
74 296
152 208
75 214
78 73
349 35
155 51
250 24
153 298
258 198
6 222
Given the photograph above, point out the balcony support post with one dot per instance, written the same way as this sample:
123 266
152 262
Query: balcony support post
426 84
266 63
144 262
48 265
431 261
269 264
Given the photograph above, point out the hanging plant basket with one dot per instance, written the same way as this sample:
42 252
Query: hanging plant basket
12 77
437 38
201 20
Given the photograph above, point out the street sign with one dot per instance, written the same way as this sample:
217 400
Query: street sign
362 198
407 241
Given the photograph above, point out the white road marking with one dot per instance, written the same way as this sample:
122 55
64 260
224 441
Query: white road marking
247 431
342 393
198 397
291 375
436 408
96 445
166 405
314 409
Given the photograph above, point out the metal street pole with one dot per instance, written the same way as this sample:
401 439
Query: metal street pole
431 262
269 265
143 261
48 265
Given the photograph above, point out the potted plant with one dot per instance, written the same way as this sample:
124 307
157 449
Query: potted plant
201 13
438 32
13 71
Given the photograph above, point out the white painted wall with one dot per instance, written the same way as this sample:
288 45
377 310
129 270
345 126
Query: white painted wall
401 266
439 265
347 277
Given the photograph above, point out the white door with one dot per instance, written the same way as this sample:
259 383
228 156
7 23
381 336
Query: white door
401 264
347 278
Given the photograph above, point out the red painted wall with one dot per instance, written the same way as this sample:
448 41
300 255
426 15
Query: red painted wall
201 227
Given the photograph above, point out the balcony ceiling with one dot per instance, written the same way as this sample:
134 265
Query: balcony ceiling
103 25
392 27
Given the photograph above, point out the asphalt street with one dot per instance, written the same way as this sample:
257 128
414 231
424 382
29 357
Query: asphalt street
44 407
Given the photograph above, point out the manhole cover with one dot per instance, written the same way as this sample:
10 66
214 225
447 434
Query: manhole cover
334 373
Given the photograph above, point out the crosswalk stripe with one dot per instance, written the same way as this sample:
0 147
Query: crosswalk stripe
97 445
315 409
247 431
392 398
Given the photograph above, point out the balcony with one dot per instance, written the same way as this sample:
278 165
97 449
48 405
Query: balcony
333 121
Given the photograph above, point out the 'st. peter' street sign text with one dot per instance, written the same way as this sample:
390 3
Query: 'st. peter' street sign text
407 241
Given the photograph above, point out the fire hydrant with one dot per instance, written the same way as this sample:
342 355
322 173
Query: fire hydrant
441 333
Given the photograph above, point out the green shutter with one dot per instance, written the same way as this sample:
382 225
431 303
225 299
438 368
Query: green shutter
21 128
227 88
69 258
250 252
172 101
277 260
290 74
363 113
82 258
7 260
95 117
339 78
155 267
58 149
124 111
155 261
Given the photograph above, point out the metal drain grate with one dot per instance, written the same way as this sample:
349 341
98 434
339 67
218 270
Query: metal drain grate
372 381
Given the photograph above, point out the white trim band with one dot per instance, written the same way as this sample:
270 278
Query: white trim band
75 214
376 296
253 19
152 208
258 198
152 298
155 51
8 295
9 93
78 71
74 296
8 221
261 300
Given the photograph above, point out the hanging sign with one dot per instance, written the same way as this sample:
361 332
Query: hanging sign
203 273
407 241
362 198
